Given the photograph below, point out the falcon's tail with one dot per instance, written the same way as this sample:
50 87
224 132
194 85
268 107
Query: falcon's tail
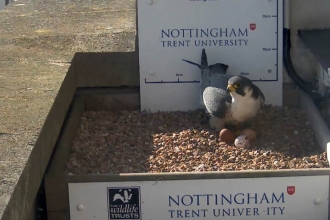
204 65
199 66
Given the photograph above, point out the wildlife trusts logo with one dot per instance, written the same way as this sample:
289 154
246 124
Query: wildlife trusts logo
124 203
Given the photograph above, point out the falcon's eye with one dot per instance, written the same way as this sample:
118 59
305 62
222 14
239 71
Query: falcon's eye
237 85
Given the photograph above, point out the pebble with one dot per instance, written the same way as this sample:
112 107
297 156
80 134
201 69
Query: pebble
110 142
212 142
307 160
231 159
266 153
75 164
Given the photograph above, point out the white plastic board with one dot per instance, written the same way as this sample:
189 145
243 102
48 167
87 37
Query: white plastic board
2 4
302 198
244 34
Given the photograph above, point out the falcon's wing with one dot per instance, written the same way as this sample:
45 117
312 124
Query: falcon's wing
215 95
213 86
215 100
257 92
263 99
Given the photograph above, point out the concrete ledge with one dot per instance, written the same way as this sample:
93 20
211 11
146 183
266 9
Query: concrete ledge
42 45
32 174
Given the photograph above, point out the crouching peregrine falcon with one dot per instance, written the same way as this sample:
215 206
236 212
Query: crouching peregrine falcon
228 99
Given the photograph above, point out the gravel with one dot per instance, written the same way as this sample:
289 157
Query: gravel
135 142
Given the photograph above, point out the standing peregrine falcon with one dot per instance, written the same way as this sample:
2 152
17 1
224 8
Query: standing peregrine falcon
228 99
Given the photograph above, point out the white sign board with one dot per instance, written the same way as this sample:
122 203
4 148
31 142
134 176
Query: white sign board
244 34
2 4
302 198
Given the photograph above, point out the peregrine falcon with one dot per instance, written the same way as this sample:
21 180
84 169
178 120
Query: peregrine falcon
228 99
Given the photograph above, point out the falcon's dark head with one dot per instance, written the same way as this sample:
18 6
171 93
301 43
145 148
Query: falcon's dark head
241 85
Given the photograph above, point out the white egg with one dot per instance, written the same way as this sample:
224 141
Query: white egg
242 142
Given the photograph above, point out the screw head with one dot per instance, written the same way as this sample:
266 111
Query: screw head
150 2
317 201
152 73
80 207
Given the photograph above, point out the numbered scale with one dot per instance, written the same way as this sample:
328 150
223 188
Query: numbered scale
244 34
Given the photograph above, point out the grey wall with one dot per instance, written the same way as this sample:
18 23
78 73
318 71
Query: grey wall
306 14
2 4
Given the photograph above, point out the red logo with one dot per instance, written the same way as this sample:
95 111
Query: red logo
291 190
253 26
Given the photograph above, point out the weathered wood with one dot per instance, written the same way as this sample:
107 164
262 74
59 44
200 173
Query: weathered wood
84 178
291 98
57 197
35 167
64 143
109 68
56 188
32 215
119 102
107 90
89 100
114 100
57 184
65 215
192 175
128 99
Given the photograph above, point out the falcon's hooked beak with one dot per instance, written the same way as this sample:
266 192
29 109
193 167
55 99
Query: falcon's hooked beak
230 88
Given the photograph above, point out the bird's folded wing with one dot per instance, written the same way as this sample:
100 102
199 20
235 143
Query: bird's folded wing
215 101
263 99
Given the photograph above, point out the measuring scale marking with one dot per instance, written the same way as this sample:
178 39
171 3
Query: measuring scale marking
146 81
244 34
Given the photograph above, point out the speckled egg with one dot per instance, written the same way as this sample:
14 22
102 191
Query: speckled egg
242 142
227 135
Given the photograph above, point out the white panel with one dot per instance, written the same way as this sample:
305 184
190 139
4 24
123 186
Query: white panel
302 198
244 34
2 4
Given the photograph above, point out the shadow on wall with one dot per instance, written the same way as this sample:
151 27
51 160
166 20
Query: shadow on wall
3 3
107 69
